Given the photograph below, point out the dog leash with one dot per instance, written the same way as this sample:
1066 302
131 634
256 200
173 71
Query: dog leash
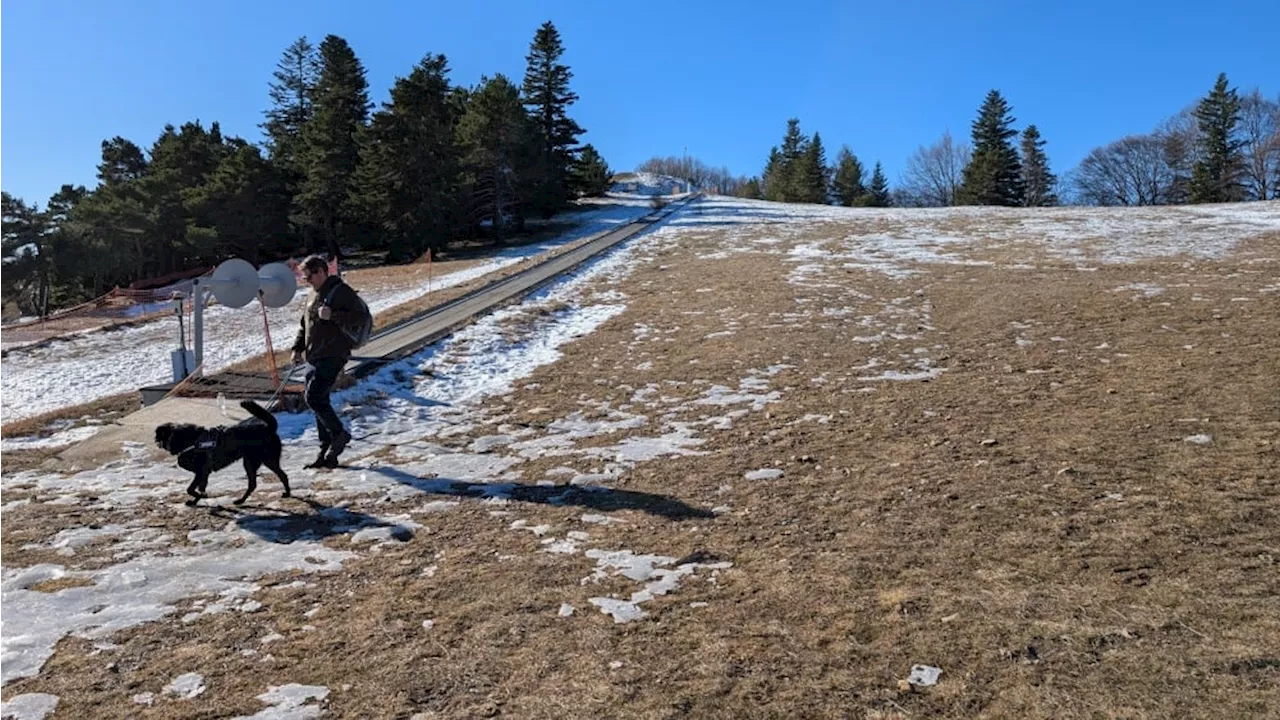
284 380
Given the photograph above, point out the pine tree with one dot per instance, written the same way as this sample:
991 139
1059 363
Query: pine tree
1037 181
122 161
771 180
292 104
592 172
878 192
500 154
71 248
1217 175
118 212
794 144
332 146
787 177
813 177
994 173
408 178
181 162
548 97
22 264
292 107
244 205
846 184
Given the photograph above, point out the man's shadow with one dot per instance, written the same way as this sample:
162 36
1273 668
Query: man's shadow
593 497
322 521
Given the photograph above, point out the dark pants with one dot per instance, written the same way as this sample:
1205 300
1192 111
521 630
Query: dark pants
320 380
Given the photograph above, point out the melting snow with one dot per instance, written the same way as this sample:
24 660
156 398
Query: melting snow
647 569
186 686
290 702
30 706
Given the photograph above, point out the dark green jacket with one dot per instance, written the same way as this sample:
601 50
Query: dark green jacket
319 339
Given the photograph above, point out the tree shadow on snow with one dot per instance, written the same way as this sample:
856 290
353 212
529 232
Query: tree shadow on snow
593 497
721 215
320 522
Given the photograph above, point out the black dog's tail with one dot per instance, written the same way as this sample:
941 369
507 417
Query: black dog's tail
260 412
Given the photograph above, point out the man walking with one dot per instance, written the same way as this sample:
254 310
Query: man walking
326 347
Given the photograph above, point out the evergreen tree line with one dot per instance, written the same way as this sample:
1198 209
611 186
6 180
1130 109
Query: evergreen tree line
993 172
1226 148
435 164
798 172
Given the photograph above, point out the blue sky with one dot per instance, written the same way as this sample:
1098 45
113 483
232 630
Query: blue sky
717 78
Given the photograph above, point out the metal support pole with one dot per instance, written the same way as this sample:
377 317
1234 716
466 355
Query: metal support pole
197 324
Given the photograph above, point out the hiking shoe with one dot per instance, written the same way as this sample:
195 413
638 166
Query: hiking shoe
320 459
340 444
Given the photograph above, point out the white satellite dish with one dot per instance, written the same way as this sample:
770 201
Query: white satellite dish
278 284
234 283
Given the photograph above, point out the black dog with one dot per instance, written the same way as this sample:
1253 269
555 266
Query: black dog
206 450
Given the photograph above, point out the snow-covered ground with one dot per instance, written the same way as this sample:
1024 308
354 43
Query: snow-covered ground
98 364
649 184
414 407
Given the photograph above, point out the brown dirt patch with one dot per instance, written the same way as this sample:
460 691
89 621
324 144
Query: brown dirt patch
53 586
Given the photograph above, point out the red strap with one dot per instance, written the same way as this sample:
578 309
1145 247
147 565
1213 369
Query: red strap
271 353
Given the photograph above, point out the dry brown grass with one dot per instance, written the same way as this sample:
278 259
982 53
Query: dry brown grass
62 583
1031 521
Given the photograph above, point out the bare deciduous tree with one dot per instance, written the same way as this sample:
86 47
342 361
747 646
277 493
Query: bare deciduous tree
1180 136
1260 131
696 172
934 174
1131 171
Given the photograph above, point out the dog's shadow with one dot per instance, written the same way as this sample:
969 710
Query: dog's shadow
320 522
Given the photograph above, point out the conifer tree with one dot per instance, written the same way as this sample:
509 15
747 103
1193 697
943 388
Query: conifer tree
72 248
1037 181
118 209
1217 174
592 172
244 205
878 192
292 107
409 164
548 97
771 180
26 255
340 111
846 185
181 162
500 154
994 173
794 144
296 76
813 177
784 174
